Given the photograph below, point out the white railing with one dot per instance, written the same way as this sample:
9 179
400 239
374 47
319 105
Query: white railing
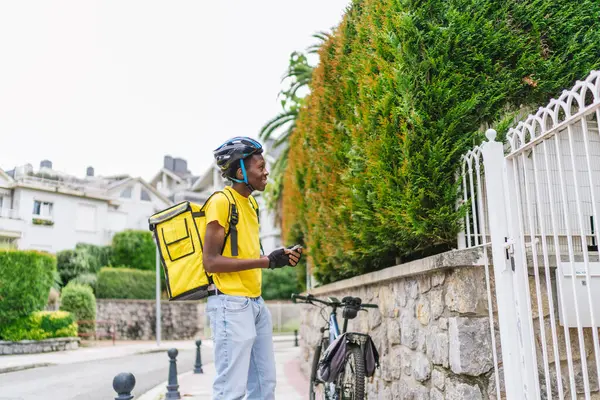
474 199
539 207
52 183
9 213
476 234
555 159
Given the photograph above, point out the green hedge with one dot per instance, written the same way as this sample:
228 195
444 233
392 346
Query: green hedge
25 281
72 263
401 91
134 249
41 325
86 279
98 256
126 283
84 259
279 284
80 300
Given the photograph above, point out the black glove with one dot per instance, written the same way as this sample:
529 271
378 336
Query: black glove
278 259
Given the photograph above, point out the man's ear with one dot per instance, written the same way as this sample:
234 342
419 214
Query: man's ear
239 175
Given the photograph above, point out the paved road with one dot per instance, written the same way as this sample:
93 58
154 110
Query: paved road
93 380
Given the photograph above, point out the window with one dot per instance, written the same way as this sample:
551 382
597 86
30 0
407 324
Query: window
126 193
145 196
86 218
42 209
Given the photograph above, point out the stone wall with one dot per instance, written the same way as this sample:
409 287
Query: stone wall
432 328
433 331
136 319
38 346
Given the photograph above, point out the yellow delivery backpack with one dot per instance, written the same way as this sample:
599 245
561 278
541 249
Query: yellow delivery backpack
179 234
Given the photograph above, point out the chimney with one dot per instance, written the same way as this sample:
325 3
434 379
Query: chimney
89 171
46 164
180 166
169 163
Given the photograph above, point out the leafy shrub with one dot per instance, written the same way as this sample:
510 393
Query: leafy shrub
400 93
279 284
84 259
86 279
126 283
25 281
98 256
41 325
134 249
80 301
72 263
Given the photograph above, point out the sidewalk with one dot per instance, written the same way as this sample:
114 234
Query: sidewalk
291 383
99 351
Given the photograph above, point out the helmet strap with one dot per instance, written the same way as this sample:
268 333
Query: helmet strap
245 175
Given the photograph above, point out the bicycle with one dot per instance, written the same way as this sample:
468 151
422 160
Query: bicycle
350 383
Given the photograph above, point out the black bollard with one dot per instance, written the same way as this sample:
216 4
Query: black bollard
173 386
296 338
123 385
198 365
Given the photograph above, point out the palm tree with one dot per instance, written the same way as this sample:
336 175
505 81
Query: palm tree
299 73
279 129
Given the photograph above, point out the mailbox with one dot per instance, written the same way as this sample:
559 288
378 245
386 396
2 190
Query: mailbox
567 296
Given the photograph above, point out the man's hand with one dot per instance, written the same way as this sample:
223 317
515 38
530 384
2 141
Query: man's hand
285 257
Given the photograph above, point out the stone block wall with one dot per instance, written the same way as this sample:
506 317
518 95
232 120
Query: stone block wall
432 330
136 319
38 346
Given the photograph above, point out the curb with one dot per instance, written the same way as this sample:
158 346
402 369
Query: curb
158 392
150 351
16 368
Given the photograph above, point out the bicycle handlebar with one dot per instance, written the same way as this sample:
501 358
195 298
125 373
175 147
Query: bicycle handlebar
310 299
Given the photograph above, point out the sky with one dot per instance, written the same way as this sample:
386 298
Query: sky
117 85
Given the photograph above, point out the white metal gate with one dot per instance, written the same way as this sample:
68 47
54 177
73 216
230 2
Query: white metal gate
535 203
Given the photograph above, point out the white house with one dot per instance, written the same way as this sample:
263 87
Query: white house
52 211
174 181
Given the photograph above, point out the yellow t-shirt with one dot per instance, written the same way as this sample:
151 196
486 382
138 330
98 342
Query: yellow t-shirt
244 283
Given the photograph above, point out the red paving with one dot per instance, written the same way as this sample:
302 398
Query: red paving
295 377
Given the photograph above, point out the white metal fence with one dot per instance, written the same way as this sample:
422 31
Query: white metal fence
534 202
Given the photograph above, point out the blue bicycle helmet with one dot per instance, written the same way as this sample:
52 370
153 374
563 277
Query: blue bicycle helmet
233 150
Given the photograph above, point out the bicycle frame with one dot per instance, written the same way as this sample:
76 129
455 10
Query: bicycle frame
333 333
334 329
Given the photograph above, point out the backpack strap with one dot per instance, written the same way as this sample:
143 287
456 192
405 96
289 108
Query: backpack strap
233 221
254 204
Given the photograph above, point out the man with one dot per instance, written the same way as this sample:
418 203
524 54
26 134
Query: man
240 322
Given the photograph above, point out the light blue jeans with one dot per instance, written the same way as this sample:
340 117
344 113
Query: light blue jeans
242 333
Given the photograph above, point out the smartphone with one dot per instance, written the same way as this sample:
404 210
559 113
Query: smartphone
296 247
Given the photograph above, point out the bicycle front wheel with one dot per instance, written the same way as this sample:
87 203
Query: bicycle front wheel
317 389
351 382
